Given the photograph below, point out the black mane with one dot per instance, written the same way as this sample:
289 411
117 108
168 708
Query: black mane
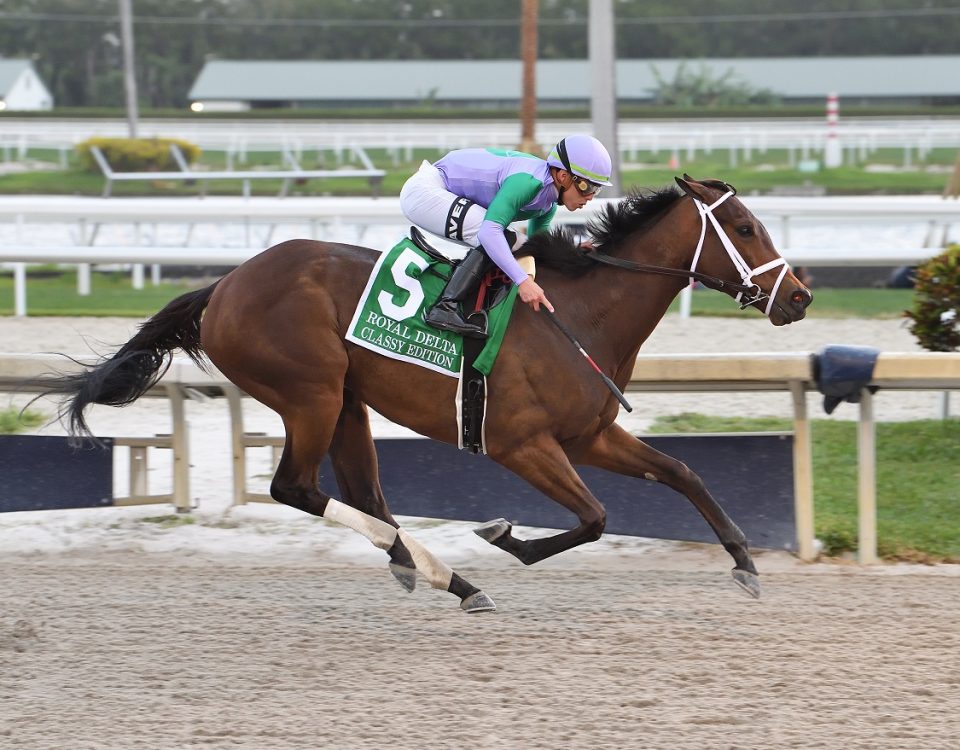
637 211
558 249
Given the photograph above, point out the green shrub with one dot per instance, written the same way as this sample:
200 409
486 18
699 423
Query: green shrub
13 420
936 304
136 154
703 88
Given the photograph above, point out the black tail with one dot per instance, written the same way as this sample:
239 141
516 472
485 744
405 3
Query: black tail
123 378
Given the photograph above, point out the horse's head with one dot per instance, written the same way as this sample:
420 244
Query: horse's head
735 247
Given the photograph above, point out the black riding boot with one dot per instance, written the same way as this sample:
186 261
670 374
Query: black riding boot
464 281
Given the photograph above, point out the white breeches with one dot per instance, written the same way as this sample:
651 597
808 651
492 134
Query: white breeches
426 202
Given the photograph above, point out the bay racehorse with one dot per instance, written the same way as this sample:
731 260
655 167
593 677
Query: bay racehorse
275 327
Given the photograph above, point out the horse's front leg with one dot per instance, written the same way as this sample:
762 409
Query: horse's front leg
542 462
617 450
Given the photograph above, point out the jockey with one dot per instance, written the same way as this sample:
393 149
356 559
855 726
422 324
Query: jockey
473 195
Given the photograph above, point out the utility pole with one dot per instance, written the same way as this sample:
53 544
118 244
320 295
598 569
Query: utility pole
129 78
603 98
528 102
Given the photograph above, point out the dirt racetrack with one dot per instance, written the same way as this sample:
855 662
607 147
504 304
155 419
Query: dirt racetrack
258 628
138 650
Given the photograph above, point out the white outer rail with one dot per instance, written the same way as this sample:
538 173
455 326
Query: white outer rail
90 213
83 256
232 256
386 210
788 373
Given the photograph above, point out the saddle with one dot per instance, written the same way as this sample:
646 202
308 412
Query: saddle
472 390
495 284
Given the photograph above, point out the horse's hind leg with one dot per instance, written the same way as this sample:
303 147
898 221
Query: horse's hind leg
311 432
354 462
542 462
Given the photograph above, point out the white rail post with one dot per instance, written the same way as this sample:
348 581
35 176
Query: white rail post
802 473
83 279
235 403
686 296
136 276
19 277
867 482
20 290
832 152
181 450
138 471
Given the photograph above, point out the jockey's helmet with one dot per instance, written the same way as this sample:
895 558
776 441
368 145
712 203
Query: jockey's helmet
583 156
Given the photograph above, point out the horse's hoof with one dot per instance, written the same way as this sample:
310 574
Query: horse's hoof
749 582
406 577
478 602
491 531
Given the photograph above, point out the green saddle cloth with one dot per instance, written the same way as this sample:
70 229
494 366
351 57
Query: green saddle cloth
389 319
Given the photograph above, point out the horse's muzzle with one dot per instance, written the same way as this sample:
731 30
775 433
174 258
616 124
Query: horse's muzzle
791 305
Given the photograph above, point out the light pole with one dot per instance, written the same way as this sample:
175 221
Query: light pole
528 102
129 79
603 97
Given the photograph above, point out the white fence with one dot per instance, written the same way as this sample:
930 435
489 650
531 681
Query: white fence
386 211
788 373
740 137
319 215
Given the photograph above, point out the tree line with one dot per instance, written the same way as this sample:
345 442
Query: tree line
75 44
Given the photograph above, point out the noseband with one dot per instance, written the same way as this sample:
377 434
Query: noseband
743 268
748 292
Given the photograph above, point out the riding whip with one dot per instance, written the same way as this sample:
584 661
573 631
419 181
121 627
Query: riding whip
573 340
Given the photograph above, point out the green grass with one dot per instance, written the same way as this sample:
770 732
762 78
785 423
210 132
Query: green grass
827 303
918 481
13 421
112 294
170 521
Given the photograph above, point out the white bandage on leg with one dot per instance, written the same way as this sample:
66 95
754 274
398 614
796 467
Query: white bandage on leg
382 534
436 572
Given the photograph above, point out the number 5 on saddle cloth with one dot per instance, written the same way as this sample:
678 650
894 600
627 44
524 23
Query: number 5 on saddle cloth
389 320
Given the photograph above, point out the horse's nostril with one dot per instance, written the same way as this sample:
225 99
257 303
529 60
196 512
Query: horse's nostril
801 298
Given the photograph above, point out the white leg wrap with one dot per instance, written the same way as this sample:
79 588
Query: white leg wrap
382 534
436 572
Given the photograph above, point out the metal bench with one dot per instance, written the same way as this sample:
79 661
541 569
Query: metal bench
190 176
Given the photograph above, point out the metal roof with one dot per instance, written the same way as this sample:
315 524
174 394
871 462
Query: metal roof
559 80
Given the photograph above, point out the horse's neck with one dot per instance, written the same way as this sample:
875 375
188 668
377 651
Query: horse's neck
626 306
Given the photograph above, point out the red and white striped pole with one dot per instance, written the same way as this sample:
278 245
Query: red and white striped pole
832 152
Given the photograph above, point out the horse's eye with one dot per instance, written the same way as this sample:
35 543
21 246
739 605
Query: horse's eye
745 230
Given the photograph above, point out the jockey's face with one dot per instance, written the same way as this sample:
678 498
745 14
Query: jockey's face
570 195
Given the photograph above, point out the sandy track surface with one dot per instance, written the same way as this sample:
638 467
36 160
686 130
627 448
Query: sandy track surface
142 651
259 628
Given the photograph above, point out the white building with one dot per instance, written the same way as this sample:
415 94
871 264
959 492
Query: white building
21 87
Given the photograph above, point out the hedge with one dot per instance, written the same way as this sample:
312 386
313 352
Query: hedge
136 154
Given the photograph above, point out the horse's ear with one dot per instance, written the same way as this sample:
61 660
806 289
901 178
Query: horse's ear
688 185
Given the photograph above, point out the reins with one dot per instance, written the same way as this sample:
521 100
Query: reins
712 282
748 292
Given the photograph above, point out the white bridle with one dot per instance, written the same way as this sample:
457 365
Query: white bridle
746 274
